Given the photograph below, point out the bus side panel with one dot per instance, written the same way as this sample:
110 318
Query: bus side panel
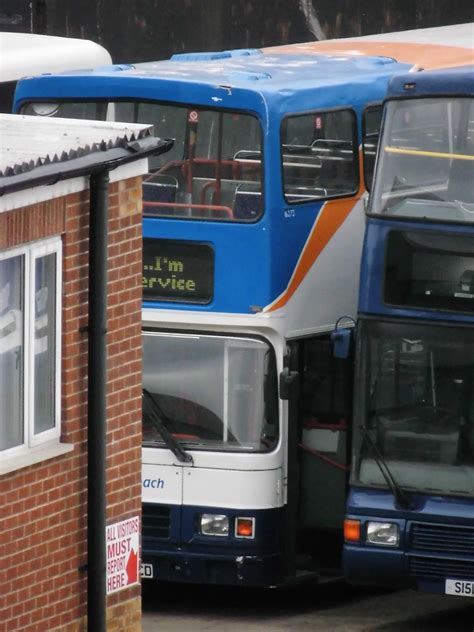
329 289
244 489
162 484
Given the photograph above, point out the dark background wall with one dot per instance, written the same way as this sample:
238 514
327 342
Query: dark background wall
139 30
15 15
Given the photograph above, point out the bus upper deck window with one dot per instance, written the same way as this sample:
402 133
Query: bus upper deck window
214 170
7 93
92 110
319 156
424 169
370 138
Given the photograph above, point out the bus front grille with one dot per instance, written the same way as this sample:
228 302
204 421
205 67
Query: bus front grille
156 521
440 568
448 539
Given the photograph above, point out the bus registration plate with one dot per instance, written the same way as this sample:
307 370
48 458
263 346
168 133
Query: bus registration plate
146 571
459 588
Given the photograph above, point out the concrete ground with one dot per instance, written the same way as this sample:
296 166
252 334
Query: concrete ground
333 608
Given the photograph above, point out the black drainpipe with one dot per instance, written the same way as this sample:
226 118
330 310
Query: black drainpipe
97 404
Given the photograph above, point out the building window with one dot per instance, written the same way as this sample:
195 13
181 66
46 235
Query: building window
30 319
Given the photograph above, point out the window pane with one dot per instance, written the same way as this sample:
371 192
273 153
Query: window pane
80 110
326 393
318 154
430 271
169 122
211 392
426 163
417 406
7 91
11 352
372 120
44 345
214 169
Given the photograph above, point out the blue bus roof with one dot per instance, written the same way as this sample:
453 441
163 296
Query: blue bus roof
456 81
209 78
265 72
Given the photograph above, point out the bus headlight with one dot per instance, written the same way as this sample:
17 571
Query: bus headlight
214 524
384 533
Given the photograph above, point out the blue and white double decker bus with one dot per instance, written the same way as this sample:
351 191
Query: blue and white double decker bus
253 230
410 512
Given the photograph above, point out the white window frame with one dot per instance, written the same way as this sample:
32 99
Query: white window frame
30 253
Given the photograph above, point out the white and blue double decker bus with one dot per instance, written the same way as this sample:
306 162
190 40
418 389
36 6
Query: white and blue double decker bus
410 512
253 227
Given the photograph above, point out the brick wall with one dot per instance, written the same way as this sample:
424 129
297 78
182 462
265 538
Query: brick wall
43 508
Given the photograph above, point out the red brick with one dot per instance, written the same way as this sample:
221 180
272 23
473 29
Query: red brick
44 521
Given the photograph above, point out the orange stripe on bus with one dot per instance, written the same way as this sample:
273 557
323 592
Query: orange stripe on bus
427 56
331 217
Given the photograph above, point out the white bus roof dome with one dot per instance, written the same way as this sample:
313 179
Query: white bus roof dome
27 54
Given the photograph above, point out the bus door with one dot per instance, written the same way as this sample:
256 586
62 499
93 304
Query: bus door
320 418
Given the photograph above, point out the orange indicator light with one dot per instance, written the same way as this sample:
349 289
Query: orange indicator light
244 527
351 530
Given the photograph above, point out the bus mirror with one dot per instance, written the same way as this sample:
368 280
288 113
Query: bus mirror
288 383
341 339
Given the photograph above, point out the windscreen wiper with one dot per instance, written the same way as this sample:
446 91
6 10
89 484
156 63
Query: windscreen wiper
400 495
152 410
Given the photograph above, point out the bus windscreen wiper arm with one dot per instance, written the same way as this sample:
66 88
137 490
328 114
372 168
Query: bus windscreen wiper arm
157 417
399 494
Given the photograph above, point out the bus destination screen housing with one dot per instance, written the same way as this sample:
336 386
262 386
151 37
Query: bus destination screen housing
177 271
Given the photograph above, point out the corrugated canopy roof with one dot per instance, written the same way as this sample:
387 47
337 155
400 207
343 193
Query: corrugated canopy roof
27 142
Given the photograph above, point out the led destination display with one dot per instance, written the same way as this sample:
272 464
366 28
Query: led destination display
177 271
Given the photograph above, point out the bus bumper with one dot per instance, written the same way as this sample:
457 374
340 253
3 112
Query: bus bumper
243 570
391 569
383 568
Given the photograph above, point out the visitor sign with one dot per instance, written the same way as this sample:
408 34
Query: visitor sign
122 540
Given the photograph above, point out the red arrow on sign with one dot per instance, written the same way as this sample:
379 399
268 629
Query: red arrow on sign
132 568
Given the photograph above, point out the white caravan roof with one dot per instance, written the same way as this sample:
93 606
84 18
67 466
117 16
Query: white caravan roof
26 54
